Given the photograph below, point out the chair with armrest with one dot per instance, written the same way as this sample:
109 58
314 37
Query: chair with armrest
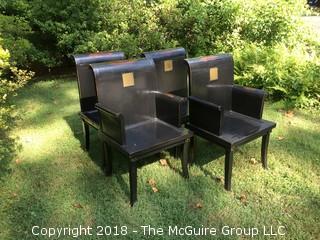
224 113
87 89
172 80
128 118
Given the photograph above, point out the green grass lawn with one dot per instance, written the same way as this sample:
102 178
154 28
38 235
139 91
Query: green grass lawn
53 182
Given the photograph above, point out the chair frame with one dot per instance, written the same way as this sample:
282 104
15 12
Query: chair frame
112 134
86 88
210 127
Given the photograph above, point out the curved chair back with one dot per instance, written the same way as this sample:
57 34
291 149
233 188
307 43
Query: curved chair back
211 78
86 83
171 70
127 88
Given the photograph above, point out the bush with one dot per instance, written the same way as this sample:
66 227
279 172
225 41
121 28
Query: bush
11 79
271 51
132 27
290 74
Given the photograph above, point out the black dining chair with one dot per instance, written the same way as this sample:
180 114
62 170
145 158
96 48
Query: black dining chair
128 116
172 80
87 89
224 113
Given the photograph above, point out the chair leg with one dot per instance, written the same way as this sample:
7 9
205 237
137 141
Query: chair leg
185 157
228 169
192 149
107 159
264 150
133 182
177 152
86 135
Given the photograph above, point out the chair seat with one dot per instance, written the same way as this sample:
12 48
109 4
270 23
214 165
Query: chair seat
152 135
238 128
92 117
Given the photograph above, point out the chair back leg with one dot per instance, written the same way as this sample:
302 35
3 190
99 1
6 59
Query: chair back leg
185 158
86 135
264 150
228 169
107 158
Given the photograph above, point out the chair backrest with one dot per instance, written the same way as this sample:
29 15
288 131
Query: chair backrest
171 70
211 78
127 88
86 83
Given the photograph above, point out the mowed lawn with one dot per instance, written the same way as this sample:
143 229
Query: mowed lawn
53 182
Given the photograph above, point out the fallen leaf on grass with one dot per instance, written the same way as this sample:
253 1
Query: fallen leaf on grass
196 205
253 160
13 195
289 114
151 182
243 199
153 186
77 205
219 179
154 189
163 162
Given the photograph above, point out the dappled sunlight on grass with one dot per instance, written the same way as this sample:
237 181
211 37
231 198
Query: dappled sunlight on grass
55 183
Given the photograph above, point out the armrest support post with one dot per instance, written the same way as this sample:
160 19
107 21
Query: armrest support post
205 115
171 108
248 101
111 124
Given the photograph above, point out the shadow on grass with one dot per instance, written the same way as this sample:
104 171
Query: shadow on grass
8 151
120 164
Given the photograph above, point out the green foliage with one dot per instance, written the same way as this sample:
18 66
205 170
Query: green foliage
132 27
290 74
11 79
271 47
200 26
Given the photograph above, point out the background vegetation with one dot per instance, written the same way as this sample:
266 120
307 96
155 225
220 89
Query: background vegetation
272 49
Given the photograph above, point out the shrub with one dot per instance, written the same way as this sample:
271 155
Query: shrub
271 51
11 79
290 74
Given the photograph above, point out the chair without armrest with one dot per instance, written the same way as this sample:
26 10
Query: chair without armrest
127 106
224 113
172 80
87 88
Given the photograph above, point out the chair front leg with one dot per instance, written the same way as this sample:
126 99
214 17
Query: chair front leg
107 158
86 135
264 150
185 157
133 181
228 169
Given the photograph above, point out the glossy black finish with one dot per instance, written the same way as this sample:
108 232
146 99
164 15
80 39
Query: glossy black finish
171 108
172 79
87 88
127 108
223 113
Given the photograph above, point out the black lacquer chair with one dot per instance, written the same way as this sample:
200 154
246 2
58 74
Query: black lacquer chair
127 107
87 89
224 113
172 80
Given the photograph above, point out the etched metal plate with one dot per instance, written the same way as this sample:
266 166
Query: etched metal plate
168 66
127 79
214 74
